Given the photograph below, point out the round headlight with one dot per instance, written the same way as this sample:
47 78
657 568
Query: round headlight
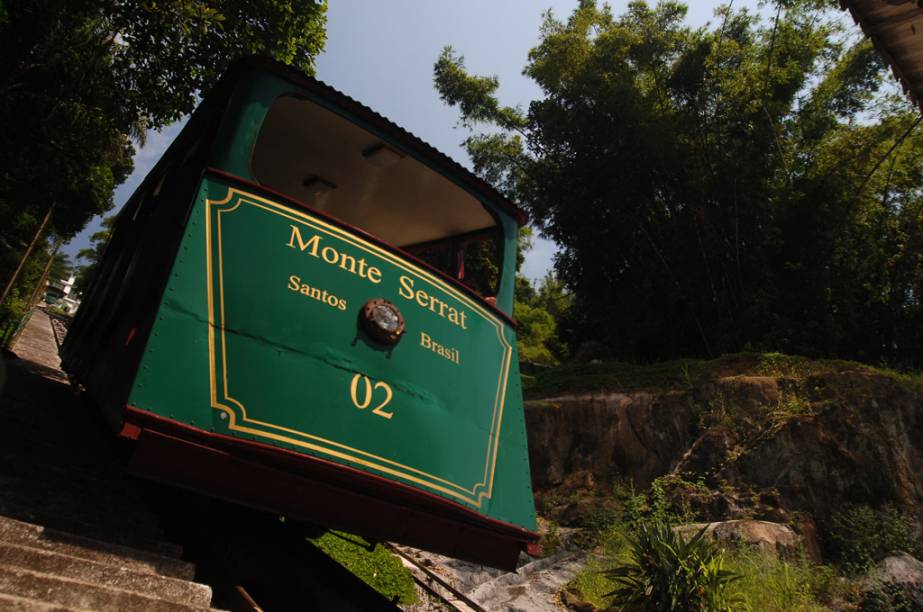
381 320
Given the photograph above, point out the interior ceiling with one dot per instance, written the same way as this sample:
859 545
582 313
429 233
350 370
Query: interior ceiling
403 203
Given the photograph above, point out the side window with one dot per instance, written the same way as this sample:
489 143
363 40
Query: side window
475 261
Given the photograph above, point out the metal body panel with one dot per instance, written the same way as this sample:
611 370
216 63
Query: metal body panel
195 335
250 351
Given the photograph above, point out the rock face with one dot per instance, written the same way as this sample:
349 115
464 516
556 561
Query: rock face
762 446
863 446
592 440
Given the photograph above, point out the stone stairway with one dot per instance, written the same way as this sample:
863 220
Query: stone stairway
75 531
45 569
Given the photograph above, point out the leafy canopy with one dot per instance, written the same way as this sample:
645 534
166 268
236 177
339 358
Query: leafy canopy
713 189
81 82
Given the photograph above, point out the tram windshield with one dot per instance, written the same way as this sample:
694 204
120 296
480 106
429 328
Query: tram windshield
314 155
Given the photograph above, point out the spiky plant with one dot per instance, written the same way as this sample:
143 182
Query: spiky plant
664 571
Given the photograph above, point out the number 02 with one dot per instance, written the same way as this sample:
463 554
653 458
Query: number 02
368 390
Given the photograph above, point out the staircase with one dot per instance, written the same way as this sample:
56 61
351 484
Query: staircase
46 569
75 531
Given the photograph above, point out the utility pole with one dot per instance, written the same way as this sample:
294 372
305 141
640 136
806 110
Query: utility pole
25 256
44 279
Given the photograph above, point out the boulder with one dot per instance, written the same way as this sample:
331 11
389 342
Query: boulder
573 601
775 538
899 570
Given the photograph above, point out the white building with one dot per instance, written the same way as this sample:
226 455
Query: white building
58 293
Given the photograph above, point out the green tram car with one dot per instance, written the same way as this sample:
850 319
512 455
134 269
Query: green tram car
283 319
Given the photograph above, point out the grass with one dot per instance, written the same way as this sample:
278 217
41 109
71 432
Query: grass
616 376
378 568
613 376
767 583
770 584
590 581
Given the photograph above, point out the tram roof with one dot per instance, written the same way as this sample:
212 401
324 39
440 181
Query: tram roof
895 27
398 135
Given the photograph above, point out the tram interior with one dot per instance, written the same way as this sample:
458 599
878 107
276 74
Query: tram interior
337 167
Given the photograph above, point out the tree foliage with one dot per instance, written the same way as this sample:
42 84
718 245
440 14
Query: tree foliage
81 82
748 183
93 255
537 313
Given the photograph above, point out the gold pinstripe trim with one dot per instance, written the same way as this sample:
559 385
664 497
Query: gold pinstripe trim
474 495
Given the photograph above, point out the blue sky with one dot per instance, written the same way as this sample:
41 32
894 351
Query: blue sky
382 54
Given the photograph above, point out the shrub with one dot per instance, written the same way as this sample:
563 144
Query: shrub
886 598
378 568
766 583
664 571
860 536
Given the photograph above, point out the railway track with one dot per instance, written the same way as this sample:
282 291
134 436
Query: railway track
59 325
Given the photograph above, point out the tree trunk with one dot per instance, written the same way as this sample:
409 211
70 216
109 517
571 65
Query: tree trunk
25 256
44 279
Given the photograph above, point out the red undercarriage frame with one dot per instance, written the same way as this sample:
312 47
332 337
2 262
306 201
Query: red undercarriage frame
318 491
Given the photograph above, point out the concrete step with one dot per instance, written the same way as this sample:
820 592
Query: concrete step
9 603
42 426
24 460
101 574
96 524
74 480
27 584
84 497
26 534
51 448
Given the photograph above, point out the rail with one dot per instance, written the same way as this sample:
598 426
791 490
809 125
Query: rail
473 605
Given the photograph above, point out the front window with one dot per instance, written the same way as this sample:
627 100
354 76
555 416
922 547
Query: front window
314 155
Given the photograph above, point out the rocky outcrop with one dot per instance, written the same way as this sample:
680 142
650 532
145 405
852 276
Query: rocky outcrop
535 586
592 440
864 445
775 448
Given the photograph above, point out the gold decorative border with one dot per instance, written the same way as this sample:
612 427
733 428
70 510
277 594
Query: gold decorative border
474 495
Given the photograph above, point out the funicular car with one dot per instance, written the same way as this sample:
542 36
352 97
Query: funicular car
306 309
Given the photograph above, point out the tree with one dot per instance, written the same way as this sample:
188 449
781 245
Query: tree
61 267
538 311
93 255
79 81
747 183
